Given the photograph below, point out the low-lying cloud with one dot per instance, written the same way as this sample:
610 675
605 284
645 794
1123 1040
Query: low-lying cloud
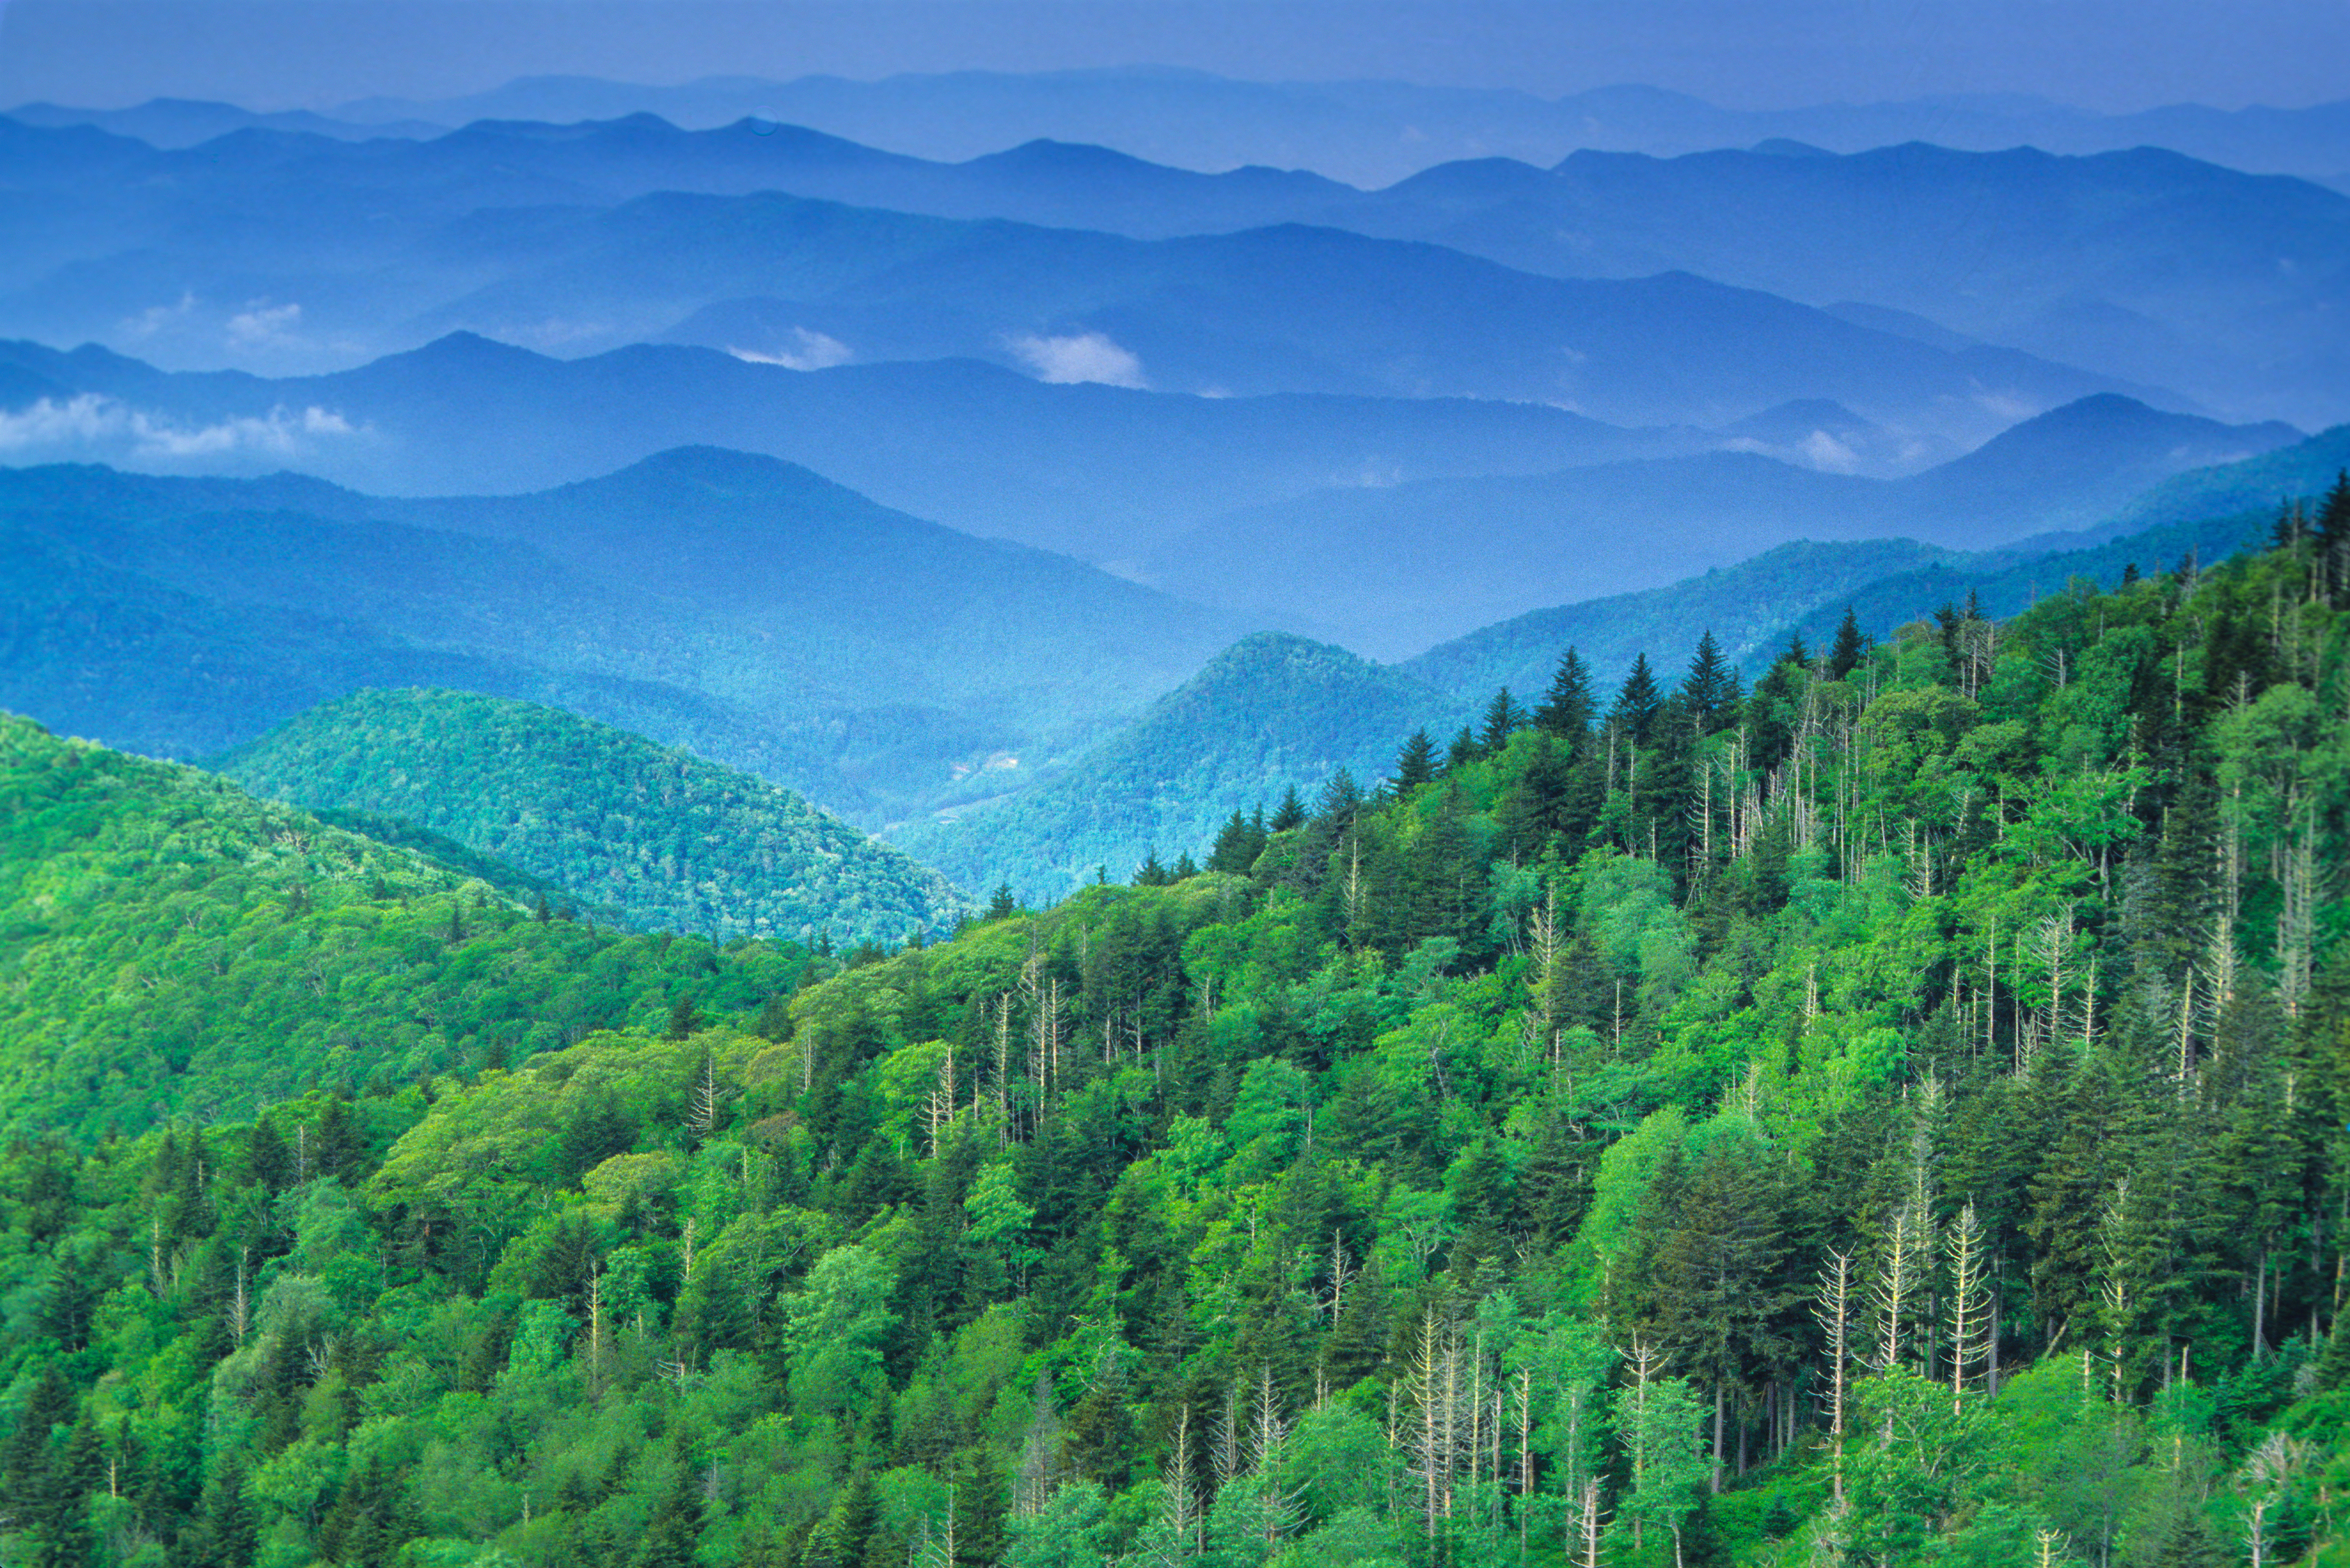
809 351
265 326
92 420
1088 356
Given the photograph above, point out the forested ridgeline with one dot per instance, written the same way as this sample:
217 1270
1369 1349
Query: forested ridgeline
1895 1115
170 946
669 840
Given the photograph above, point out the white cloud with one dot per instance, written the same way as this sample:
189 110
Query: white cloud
87 418
263 326
1089 357
155 317
814 351
1829 455
90 419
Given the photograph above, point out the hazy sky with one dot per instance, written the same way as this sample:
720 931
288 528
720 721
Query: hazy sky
2111 55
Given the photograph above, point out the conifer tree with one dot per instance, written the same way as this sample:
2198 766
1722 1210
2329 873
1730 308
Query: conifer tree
1711 690
1637 702
1567 708
1851 647
1238 843
1504 718
1415 764
1464 750
1342 798
1290 813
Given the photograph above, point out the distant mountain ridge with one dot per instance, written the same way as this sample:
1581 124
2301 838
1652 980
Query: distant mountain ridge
1106 472
278 253
767 618
1372 132
1390 569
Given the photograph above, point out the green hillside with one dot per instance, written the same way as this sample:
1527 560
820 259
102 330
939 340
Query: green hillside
1895 1118
1270 713
170 945
669 840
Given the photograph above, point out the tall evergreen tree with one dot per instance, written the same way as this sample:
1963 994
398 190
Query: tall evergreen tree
1637 703
1238 843
1567 708
1711 687
1851 647
1342 798
1504 718
1290 813
1415 764
1464 750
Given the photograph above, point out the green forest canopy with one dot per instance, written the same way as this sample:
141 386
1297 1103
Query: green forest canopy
670 840
1894 1116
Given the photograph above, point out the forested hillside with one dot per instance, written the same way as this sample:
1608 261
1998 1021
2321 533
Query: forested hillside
1269 714
669 841
1893 1116
172 947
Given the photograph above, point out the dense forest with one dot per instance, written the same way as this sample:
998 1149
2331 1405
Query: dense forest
663 839
1895 1114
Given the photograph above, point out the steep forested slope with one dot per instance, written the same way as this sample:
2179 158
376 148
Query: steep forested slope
1270 713
669 840
1893 1117
170 945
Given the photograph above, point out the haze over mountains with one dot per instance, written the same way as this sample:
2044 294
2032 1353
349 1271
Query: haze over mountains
295 253
931 489
1364 132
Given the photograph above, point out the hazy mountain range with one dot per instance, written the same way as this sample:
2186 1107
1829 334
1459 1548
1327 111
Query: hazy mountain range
1367 133
1041 502
1004 706
287 252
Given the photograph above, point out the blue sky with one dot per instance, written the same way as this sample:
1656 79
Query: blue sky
2107 55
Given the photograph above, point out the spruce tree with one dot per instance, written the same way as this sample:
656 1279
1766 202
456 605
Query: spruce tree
1003 906
1238 843
1464 750
1289 813
1567 708
1415 764
1504 718
1342 798
1851 647
1710 689
1637 703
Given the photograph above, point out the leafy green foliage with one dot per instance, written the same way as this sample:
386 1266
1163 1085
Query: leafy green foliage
1891 1119
170 946
665 838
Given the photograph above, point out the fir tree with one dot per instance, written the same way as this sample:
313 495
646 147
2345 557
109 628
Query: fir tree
1289 813
1342 798
1710 690
1504 718
1567 708
1637 702
1851 647
1415 764
1464 750
1238 843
